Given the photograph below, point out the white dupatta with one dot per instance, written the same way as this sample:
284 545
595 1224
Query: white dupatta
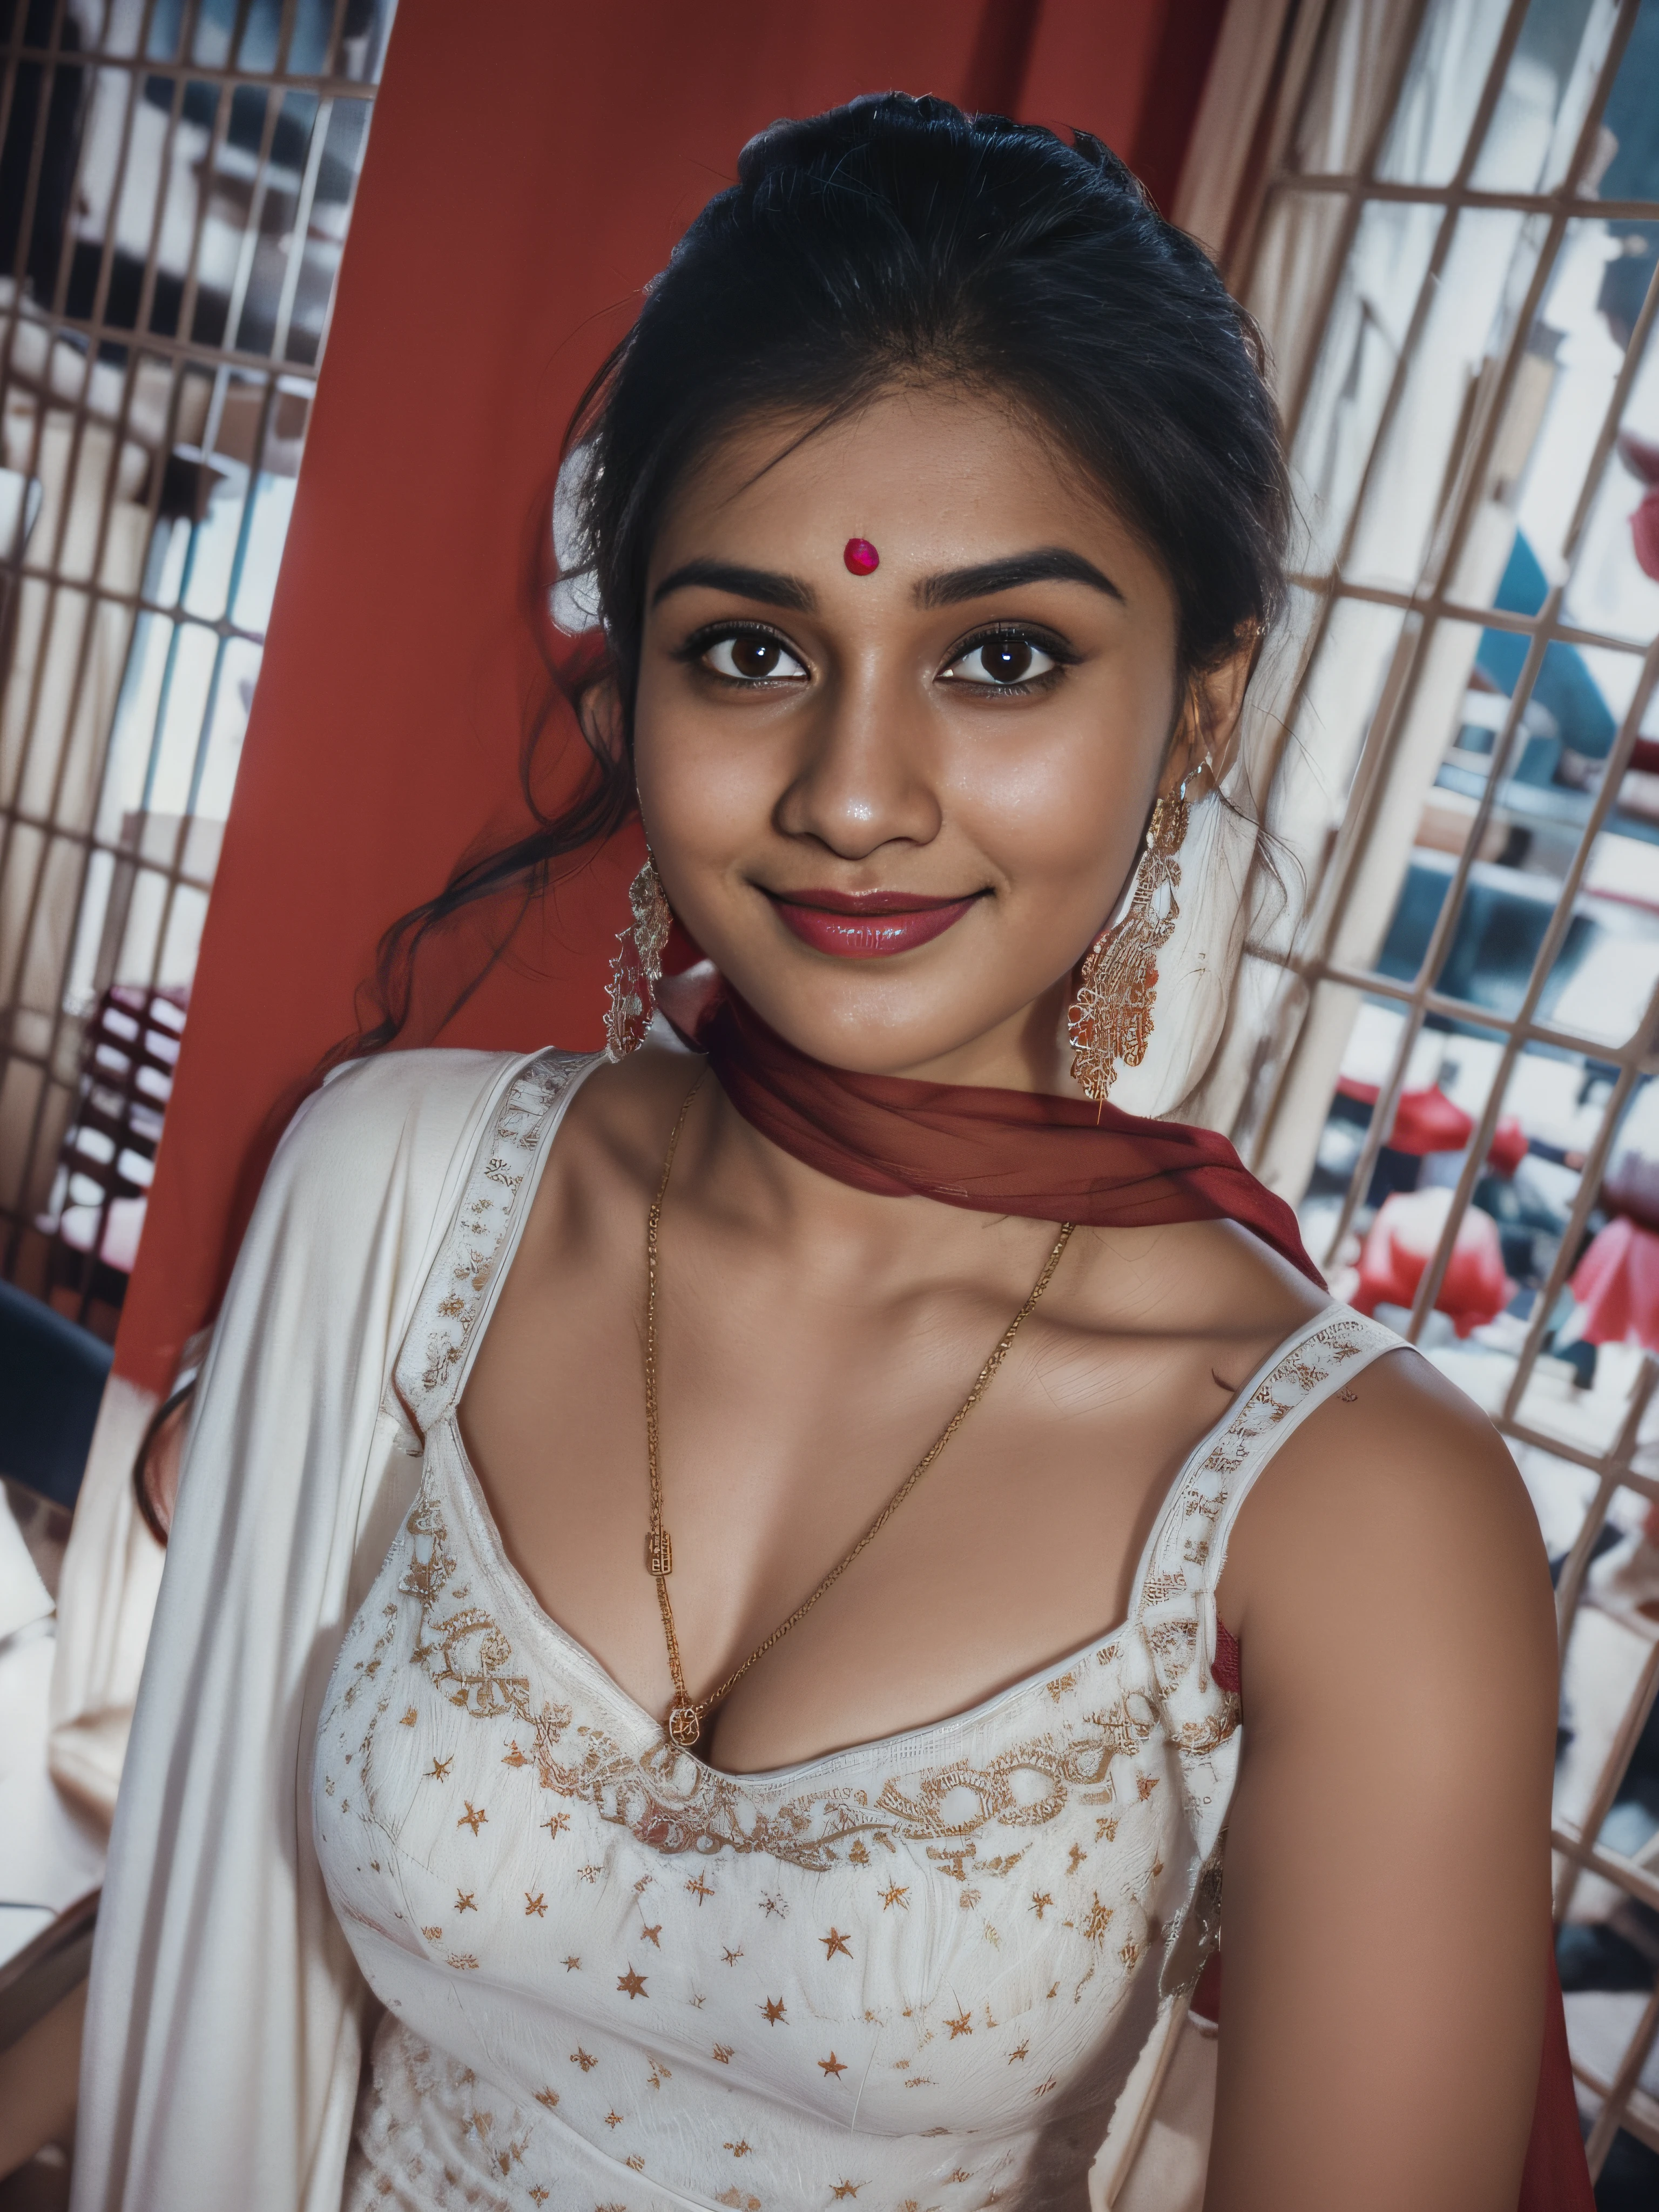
226 2018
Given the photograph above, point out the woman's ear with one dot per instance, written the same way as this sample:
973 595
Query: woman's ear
1206 736
599 710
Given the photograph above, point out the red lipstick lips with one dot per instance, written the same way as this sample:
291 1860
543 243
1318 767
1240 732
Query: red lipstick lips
866 925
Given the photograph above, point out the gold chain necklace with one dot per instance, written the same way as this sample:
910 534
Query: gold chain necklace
685 1715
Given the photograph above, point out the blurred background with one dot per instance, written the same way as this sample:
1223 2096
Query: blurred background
1444 214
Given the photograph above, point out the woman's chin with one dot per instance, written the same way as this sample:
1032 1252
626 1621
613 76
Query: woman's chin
898 1017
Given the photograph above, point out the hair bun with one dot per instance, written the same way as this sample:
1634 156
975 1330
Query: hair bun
818 140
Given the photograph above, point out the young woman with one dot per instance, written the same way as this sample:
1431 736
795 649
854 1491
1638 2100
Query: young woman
701 1655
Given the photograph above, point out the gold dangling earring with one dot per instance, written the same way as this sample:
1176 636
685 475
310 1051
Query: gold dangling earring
1111 1018
636 965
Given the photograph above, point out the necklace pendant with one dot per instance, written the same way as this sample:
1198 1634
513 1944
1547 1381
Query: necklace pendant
658 1553
683 1726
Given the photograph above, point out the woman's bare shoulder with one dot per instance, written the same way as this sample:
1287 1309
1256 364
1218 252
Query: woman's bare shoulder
1393 1518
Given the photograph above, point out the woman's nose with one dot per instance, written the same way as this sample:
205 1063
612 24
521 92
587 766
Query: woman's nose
863 777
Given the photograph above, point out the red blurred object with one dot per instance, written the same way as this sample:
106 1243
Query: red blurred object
1642 460
1618 1280
1425 1121
1508 1147
1401 1242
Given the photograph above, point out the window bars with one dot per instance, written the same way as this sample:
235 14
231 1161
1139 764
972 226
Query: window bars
1450 238
176 181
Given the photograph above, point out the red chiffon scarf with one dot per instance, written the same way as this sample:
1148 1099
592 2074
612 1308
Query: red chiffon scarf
994 1152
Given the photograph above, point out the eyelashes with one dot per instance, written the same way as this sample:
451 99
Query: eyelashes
1009 660
745 654
1006 659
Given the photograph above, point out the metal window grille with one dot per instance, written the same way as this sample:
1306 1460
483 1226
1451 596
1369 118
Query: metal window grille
176 181
1451 242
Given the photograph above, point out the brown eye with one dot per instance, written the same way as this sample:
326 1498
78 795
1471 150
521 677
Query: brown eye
752 657
1004 659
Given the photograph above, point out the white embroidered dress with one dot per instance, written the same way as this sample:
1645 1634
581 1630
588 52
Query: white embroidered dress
928 1971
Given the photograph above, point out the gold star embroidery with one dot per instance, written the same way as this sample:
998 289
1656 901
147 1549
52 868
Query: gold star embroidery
440 1770
699 1889
537 1904
613 2119
771 1904
1041 1900
660 2072
465 1960
590 1872
1145 1785
1077 1856
654 1935
962 2026
1020 2051
635 2164
538 2194
774 2010
1096 1920
1105 1830
513 1756
846 2189
548 2097
582 2058
473 1818
558 1825
737 2149
731 1957
723 2053
409 1718
633 1982
833 2066
834 1942
858 1855
896 1893
962 2174
431 1934
464 1900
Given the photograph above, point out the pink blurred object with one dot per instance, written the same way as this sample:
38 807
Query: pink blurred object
1617 1281
1642 460
1401 1242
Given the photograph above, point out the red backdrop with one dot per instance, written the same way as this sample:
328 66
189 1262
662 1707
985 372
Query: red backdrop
529 169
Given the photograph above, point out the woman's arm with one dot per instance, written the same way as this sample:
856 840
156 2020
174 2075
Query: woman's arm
1386 1914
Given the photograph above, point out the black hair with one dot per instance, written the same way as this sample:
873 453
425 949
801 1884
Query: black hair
898 241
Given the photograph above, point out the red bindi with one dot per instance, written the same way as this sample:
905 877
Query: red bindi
861 557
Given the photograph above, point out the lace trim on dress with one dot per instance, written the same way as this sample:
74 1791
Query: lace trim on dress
433 1362
672 1802
1176 1606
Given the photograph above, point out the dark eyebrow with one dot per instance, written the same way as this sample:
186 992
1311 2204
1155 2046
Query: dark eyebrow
766 585
1049 564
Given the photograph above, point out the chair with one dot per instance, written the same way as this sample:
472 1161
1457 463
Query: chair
52 1379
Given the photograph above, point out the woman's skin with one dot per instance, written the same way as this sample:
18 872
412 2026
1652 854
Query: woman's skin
800 729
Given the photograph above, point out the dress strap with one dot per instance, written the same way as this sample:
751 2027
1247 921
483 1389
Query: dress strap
460 1294
1174 1600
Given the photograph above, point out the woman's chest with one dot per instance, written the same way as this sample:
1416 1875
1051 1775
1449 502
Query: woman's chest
941 1927
778 1451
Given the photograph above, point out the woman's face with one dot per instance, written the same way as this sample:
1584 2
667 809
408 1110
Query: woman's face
894 809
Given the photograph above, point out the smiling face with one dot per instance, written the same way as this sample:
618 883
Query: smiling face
894 807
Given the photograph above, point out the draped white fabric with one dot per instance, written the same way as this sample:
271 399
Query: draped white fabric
224 2034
